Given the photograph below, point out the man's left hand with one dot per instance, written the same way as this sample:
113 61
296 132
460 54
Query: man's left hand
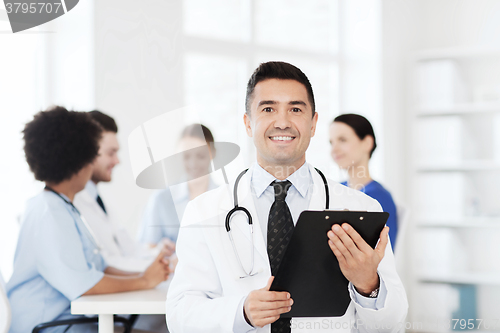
357 260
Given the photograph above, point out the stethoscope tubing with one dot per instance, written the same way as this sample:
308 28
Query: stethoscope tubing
249 216
92 237
236 207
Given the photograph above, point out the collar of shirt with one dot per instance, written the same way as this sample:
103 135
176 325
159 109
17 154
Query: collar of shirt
61 202
91 188
297 199
300 179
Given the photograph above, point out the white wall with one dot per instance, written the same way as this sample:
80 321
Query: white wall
409 26
400 38
361 71
138 73
449 23
49 64
17 104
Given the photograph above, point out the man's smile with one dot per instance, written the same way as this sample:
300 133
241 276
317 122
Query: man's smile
284 138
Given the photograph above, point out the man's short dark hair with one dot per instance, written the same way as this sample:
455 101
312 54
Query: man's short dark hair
107 123
282 71
58 143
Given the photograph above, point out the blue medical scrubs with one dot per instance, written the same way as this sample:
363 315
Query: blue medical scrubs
379 193
164 212
55 262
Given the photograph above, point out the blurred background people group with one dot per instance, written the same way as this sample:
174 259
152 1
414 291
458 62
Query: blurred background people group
58 257
71 244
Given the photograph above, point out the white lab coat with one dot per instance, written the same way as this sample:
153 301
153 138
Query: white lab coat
206 289
117 248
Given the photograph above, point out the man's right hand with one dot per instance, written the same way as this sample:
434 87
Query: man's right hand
263 307
157 272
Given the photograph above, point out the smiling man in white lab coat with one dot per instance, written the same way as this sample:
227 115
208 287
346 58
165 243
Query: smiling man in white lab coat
218 288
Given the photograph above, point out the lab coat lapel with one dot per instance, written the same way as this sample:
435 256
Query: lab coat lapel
318 196
239 221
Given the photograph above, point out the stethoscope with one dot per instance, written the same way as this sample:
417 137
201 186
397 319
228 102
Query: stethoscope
250 223
93 239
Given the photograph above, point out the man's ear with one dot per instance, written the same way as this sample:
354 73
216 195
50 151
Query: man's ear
248 126
314 122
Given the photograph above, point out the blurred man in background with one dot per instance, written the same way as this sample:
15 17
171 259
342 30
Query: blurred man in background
118 248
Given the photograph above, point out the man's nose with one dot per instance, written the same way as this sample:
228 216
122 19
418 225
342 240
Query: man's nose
282 119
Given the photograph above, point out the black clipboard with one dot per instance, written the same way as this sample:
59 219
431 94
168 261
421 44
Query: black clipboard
310 271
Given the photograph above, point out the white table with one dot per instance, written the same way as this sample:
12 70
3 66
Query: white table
150 301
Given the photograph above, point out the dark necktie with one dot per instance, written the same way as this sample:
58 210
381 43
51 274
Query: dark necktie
279 232
99 201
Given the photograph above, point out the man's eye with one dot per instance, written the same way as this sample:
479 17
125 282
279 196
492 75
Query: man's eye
267 109
296 110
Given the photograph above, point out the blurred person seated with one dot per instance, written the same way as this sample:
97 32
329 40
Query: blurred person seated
353 142
57 259
118 248
165 208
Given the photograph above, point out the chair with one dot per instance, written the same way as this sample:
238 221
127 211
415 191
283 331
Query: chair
77 321
6 316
